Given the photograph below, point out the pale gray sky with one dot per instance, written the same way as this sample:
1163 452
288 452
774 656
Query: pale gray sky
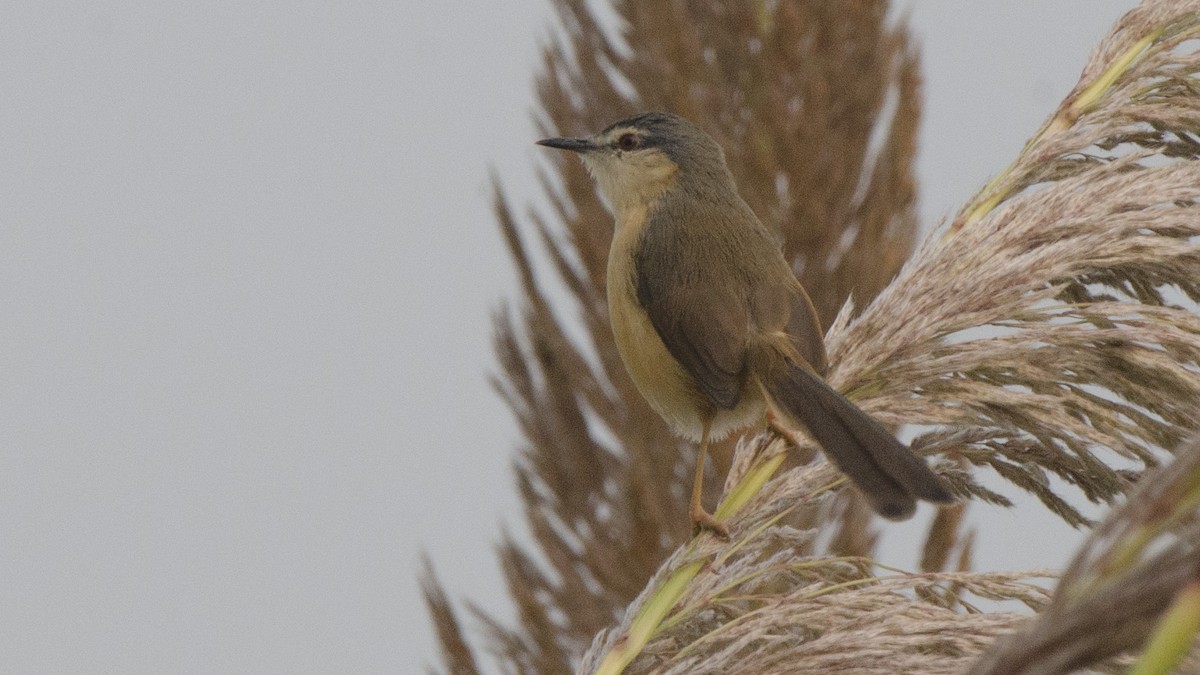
247 265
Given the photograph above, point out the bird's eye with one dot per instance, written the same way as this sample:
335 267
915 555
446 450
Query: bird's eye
629 142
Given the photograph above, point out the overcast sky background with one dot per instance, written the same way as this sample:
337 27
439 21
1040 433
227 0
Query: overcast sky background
247 265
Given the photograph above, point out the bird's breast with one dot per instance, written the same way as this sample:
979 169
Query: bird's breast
657 375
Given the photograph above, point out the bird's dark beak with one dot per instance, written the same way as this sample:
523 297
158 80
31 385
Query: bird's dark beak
572 144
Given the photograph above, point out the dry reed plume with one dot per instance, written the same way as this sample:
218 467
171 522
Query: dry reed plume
1048 330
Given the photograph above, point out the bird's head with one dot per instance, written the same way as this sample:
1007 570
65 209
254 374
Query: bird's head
636 160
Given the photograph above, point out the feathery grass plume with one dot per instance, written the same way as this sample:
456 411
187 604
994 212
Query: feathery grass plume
816 105
1082 260
1129 572
753 605
456 653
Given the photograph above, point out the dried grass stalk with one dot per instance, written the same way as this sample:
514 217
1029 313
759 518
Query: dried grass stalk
1124 578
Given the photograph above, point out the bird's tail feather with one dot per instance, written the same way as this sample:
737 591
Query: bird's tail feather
882 467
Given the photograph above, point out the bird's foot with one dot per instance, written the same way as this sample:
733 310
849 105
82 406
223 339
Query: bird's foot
704 521
783 432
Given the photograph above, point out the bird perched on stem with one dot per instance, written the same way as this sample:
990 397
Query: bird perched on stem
712 324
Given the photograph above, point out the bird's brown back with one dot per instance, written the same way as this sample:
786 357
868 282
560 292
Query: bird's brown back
713 282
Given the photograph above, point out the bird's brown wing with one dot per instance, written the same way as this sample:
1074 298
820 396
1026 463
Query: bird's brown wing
804 326
778 304
700 317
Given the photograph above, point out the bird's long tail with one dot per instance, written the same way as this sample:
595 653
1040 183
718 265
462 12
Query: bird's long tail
883 468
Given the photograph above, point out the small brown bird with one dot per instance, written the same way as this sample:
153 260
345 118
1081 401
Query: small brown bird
709 319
